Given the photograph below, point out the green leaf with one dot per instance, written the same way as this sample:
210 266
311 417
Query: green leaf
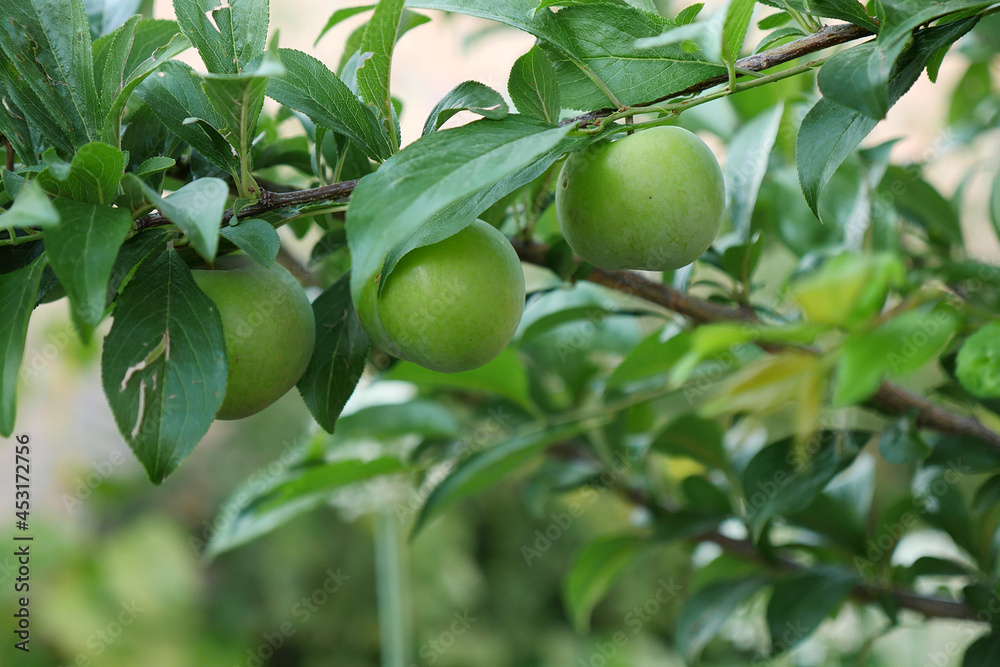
197 209
652 356
31 208
107 15
309 87
771 39
489 466
746 165
802 601
338 360
987 496
110 55
777 481
899 346
152 44
774 21
503 376
256 238
978 362
232 38
582 301
845 10
154 165
830 132
705 612
534 88
17 299
379 39
341 15
965 453
132 253
176 97
735 28
93 176
593 571
945 506
592 47
238 99
984 652
900 442
433 189
848 289
468 96
51 52
920 201
694 437
14 126
858 78
82 251
164 367
252 512
428 419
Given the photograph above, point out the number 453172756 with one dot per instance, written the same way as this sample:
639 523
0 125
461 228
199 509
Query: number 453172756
22 463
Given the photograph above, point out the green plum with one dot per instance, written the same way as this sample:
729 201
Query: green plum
452 305
651 201
269 328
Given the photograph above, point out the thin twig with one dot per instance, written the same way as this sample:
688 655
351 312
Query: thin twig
269 201
831 35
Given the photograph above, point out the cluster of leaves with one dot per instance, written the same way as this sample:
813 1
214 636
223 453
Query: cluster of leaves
769 416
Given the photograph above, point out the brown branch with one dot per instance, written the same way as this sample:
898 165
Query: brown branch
932 607
889 398
269 201
824 38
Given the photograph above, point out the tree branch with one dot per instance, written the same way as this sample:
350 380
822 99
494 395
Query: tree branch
931 607
889 398
269 201
824 38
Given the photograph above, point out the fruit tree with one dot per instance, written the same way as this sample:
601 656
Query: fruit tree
672 262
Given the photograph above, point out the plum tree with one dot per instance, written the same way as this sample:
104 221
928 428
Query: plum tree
269 328
650 201
453 305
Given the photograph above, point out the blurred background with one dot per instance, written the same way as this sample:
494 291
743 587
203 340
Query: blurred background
117 573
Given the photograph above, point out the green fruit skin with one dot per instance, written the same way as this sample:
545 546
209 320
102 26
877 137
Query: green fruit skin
269 328
651 201
454 305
